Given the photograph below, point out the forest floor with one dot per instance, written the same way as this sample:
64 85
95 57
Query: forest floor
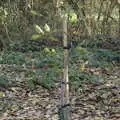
93 101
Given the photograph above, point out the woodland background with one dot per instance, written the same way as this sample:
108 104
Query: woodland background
31 59
97 20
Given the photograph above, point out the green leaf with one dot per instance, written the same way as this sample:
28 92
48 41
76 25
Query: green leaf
5 12
4 82
35 37
2 94
81 51
39 30
31 84
53 38
47 28
34 12
73 17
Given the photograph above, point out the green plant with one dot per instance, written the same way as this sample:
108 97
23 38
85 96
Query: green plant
51 60
79 55
44 77
4 82
103 57
46 32
79 78
12 58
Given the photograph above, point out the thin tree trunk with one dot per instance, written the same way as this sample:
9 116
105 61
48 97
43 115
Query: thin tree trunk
100 10
6 30
107 14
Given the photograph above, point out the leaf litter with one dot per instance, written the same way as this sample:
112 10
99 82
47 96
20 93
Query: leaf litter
92 102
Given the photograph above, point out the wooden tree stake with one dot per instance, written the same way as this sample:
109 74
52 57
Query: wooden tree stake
65 103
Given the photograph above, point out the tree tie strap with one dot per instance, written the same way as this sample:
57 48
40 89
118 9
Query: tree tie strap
67 47
65 105
67 83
